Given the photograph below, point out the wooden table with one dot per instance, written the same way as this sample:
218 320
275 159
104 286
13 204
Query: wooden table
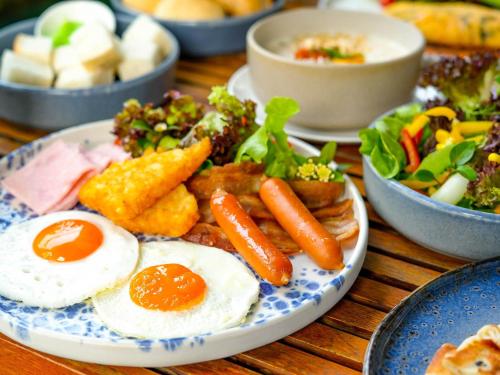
335 343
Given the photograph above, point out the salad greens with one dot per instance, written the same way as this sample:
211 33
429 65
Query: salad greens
269 144
447 148
468 157
179 121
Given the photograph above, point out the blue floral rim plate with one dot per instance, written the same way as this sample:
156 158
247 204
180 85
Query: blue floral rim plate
76 332
448 309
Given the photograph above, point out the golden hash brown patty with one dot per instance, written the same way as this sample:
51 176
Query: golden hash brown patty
125 190
173 215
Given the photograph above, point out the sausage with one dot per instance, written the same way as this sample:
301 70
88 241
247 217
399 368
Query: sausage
258 250
300 224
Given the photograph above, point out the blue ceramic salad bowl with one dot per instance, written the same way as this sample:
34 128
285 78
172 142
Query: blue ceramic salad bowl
208 38
445 228
51 109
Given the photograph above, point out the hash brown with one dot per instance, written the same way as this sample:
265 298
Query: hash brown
173 215
126 189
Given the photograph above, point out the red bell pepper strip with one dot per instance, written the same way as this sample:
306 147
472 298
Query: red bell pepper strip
411 151
384 3
418 137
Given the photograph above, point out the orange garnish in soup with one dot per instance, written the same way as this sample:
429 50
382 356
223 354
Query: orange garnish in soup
68 240
167 287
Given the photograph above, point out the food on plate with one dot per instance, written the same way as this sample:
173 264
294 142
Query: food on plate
126 190
478 354
244 181
179 121
51 180
337 48
300 224
189 10
448 147
197 10
172 215
255 247
455 24
83 55
64 258
242 157
191 290
244 7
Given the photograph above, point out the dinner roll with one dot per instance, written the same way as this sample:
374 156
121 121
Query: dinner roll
147 6
244 7
189 10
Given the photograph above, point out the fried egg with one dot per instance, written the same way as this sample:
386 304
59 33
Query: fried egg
63 258
179 289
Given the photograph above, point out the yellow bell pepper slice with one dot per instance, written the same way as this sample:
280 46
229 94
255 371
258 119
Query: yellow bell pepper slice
494 157
473 127
418 123
441 111
419 185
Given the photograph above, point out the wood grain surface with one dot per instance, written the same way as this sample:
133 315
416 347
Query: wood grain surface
335 343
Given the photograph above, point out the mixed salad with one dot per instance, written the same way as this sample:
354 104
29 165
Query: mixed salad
179 121
449 147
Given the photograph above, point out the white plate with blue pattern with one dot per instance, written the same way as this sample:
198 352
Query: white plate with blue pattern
76 332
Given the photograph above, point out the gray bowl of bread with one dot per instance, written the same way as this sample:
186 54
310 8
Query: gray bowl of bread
86 80
204 27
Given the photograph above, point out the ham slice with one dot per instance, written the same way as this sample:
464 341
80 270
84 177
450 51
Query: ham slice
51 181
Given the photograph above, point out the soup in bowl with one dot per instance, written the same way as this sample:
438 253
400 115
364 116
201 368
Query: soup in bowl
344 68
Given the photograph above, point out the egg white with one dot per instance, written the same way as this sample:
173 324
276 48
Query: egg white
231 291
26 277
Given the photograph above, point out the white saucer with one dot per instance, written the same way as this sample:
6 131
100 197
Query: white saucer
240 85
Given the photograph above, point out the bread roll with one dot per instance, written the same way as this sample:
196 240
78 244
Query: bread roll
147 6
244 7
189 10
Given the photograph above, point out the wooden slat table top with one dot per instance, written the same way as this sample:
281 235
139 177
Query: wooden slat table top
335 343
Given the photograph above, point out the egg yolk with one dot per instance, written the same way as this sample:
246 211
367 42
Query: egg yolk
167 287
67 240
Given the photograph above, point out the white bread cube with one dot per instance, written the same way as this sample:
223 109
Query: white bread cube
130 69
79 77
64 57
38 48
138 59
145 29
96 47
20 69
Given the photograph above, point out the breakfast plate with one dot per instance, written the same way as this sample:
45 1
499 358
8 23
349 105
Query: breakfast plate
447 310
240 85
77 333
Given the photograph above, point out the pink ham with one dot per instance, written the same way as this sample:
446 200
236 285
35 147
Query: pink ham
51 181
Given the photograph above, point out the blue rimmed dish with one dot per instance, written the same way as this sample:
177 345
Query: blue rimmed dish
209 38
448 229
448 309
77 333
52 109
